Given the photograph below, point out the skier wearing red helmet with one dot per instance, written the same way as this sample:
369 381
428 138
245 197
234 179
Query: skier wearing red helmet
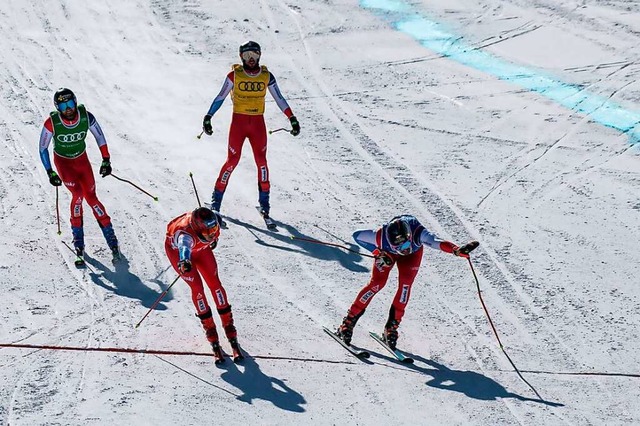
191 238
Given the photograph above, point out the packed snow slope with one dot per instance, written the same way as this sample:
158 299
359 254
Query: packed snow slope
390 125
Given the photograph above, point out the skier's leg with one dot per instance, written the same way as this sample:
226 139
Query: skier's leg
69 176
379 277
193 280
408 267
258 140
237 135
208 267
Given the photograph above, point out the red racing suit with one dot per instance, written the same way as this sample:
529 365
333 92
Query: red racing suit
248 93
182 243
75 170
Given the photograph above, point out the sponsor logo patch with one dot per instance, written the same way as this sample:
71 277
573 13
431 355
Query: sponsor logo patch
404 296
366 296
98 210
220 297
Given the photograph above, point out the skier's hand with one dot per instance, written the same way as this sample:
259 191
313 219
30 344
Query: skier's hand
206 125
382 258
105 167
295 126
465 249
54 179
184 266
213 244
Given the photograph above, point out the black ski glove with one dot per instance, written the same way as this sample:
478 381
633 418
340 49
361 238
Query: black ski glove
54 179
382 259
206 125
184 266
295 126
105 167
466 249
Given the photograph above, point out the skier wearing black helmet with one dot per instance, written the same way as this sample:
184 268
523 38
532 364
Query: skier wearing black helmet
68 127
398 242
248 84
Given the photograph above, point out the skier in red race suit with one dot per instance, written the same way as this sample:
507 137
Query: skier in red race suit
248 84
191 238
399 242
68 127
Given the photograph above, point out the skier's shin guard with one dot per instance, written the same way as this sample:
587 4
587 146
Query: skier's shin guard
226 316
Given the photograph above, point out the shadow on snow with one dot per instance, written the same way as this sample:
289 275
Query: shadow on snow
470 383
124 283
254 384
346 259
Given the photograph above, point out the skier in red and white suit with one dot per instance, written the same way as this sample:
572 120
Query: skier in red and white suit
398 242
191 238
248 84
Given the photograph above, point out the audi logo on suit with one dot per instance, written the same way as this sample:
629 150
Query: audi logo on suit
72 137
251 86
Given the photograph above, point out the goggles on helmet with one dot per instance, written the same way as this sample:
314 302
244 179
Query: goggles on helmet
63 106
402 247
250 54
210 233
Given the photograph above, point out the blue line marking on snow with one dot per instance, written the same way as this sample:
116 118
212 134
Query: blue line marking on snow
435 37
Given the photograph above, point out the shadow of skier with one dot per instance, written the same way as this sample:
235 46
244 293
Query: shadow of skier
472 384
254 384
346 259
125 283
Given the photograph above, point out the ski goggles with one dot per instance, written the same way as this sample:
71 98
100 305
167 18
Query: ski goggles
251 54
402 247
63 106
211 233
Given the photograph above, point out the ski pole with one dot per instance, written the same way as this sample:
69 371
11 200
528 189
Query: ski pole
58 212
200 135
135 186
495 332
157 301
279 130
311 240
195 189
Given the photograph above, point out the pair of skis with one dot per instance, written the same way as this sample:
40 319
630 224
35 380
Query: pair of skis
363 354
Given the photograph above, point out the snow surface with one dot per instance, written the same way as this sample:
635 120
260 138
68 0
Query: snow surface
388 127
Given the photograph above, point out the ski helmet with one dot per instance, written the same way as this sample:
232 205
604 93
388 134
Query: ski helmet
204 223
248 50
399 235
64 98
249 46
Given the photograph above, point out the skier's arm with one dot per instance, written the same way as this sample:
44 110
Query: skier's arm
366 238
227 86
432 240
184 243
277 96
97 133
45 139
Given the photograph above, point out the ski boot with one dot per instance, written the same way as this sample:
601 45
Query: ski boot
390 334
212 335
216 200
263 200
78 243
112 241
230 331
345 330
